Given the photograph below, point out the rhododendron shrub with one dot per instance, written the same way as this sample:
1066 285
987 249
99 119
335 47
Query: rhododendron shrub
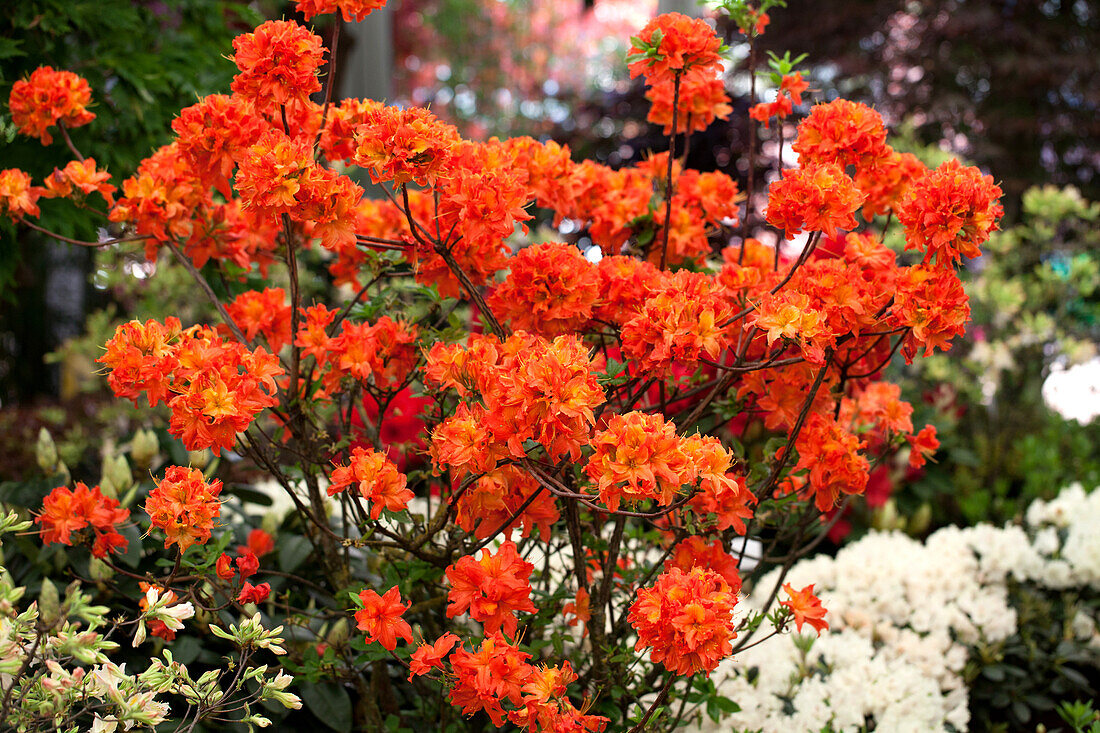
524 480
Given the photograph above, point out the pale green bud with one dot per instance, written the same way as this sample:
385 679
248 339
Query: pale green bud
920 520
199 458
45 451
49 603
144 448
99 571
118 471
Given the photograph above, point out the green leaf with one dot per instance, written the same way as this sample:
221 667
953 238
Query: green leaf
330 704
293 551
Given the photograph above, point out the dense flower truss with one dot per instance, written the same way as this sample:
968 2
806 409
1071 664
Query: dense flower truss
636 409
48 98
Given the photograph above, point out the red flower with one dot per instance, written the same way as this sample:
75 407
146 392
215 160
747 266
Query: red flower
805 607
254 593
260 543
248 564
380 617
922 445
352 10
65 512
224 567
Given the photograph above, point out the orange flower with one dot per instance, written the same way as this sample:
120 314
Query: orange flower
49 98
671 44
840 133
377 479
494 499
82 175
625 283
224 567
65 512
484 679
184 506
815 197
380 617
213 133
886 179
354 11
267 313
382 354
786 99
401 145
430 656
639 456
491 588
702 100
678 324
831 454
550 290
922 445
247 564
932 303
949 213
686 618
464 444
805 607
17 196
278 63
578 609
695 552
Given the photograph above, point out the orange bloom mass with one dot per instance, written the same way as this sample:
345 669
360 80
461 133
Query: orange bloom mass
184 506
380 617
687 620
65 513
49 98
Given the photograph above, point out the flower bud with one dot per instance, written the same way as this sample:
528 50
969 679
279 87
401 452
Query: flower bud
886 516
338 636
49 603
920 520
66 477
45 451
199 459
99 571
144 448
117 470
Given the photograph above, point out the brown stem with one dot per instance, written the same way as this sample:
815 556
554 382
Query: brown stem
69 141
197 276
668 176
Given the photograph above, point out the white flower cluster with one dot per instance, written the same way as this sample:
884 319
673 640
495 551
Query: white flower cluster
901 616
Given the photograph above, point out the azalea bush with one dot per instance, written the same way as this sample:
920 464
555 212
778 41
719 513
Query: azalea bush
526 481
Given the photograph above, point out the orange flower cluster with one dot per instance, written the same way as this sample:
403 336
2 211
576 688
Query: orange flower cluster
826 299
491 588
184 506
530 388
492 675
278 64
354 11
922 446
18 197
214 388
278 175
779 393
488 506
377 479
427 657
817 197
930 301
789 96
47 98
265 313
831 455
805 607
66 511
624 285
381 355
697 552
702 100
886 179
84 177
950 212
640 457
671 44
380 617
551 290
679 323
163 199
840 133
398 145
213 134
686 619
